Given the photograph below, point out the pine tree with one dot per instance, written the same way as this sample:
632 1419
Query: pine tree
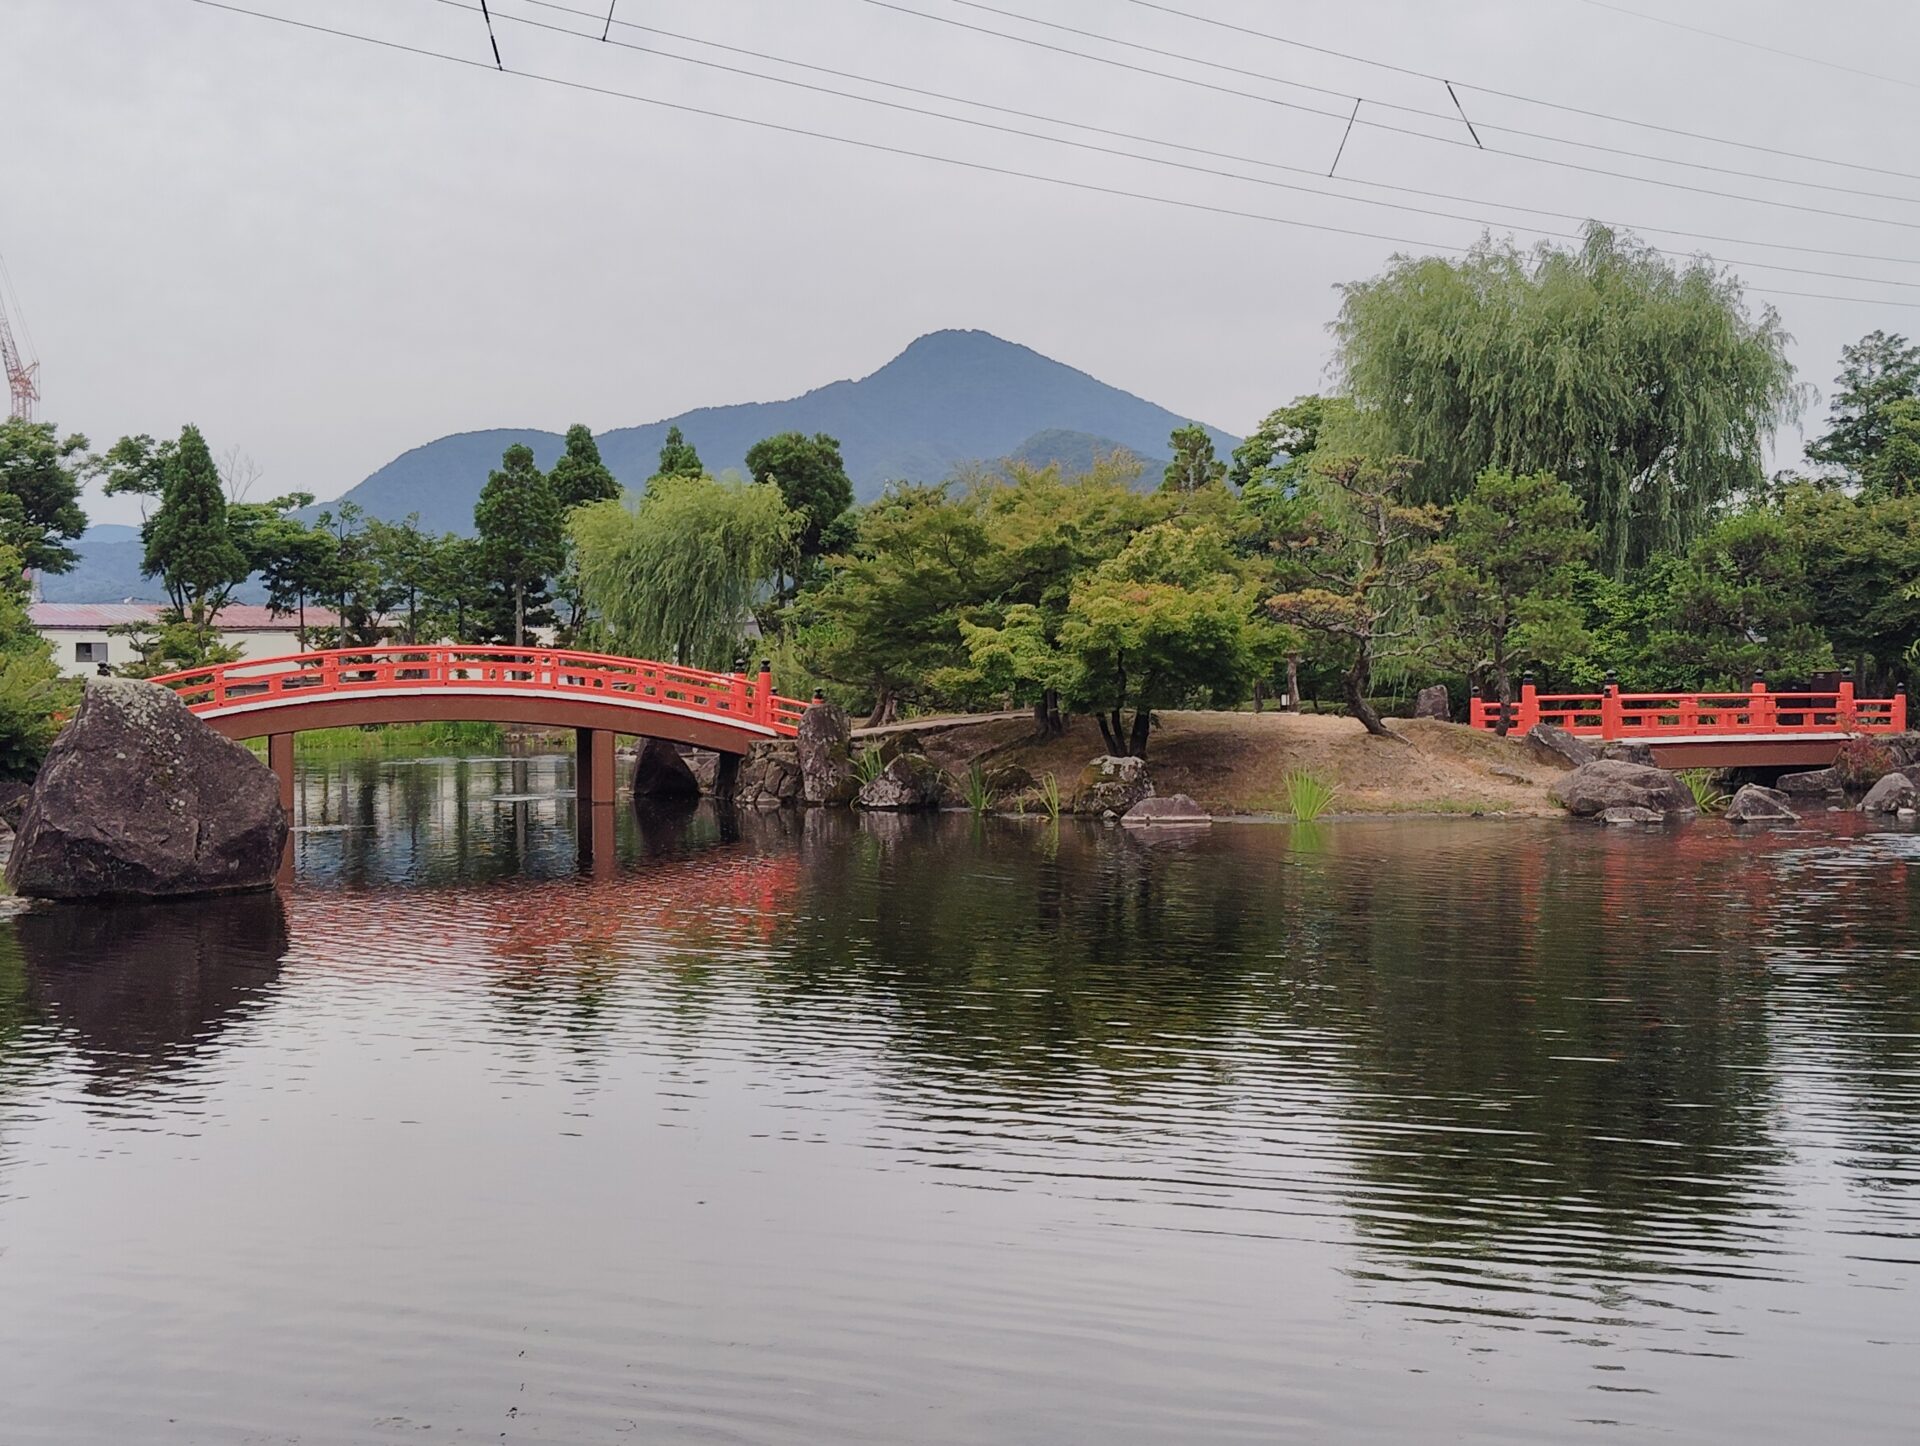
1193 466
521 528
1877 372
190 544
580 476
677 457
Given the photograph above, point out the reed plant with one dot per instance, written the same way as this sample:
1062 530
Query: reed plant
980 798
1308 795
1050 796
1704 785
867 765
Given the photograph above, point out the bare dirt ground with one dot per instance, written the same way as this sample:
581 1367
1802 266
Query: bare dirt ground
1238 762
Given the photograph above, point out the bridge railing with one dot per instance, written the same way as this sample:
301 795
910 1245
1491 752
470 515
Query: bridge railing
1613 715
494 670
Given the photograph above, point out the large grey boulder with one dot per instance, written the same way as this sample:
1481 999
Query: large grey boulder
1555 745
1433 703
1173 808
1816 783
1111 784
1902 748
910 781
1890 795
768 776
660 772
825 744
140 799
1754 804
1619 752
1593 788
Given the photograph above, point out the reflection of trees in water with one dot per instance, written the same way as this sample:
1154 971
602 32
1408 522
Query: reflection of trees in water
1026 950
140 991
1555 1056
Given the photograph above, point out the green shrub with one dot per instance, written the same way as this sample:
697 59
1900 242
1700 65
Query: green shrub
1050 795
1308 795
979 797
867 765
1703 784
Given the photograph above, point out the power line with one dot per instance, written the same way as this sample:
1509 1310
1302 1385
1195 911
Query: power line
1162 161
1749 44
1561 106
1391 105
1262 162
882 148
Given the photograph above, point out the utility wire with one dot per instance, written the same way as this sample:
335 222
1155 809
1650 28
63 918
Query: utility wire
1382 104
1562 106
882 148
1750 44
1162 161
1262 162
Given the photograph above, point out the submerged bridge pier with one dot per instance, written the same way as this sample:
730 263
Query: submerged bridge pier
598 695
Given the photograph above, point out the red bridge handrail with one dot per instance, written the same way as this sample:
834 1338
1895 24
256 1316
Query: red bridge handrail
1612 715
390 667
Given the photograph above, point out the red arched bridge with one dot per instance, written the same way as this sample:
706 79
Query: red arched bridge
597 695
1751 729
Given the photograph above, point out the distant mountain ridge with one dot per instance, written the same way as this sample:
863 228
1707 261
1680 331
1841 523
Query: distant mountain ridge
951 398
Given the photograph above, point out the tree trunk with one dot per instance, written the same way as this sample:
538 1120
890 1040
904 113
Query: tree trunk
1107 734
519 615
301 605
1259 693
1137 744
1056 725
1040 716
1503 690
1358 678
884 709
1293 682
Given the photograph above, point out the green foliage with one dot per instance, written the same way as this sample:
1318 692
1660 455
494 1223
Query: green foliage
1165 622
521 527
580 477
813 483
677 457
887 618
1894 469
1359 561
1050 795
1649 389
407 566
1308 795
1704 786
172 645
980 798
1877 373
868 764
401 739
40 473
190 544
1193 466
1505 589
675 575
32 692
1738 608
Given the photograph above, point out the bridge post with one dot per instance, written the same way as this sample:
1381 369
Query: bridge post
764 698
1900 708
1529 718
593 790
280 760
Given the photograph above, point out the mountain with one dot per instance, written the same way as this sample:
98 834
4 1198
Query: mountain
952 397
949 398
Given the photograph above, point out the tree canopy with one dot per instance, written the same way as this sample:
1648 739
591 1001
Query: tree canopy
1648 388
580 477
520 525
190 544
677 457
813 482
40 473
1877 374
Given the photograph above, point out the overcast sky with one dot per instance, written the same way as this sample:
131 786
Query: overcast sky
324 252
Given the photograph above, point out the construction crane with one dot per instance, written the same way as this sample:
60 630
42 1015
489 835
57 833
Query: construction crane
23 384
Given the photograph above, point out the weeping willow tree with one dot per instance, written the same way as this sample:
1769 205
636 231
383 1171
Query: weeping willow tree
675 575
1647 387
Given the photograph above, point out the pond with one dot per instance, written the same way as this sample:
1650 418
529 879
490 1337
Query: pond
836 1129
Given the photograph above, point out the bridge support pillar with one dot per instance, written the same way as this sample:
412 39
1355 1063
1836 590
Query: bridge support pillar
280 760
593 784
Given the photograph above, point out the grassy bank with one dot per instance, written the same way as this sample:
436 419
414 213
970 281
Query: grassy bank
397 739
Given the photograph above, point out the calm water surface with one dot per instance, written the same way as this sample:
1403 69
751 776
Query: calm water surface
872 1130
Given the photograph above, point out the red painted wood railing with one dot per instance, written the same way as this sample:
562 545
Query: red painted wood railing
400 667
1611 714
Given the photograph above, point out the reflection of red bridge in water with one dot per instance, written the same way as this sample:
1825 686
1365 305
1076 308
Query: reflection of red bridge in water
597 695
1754 729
